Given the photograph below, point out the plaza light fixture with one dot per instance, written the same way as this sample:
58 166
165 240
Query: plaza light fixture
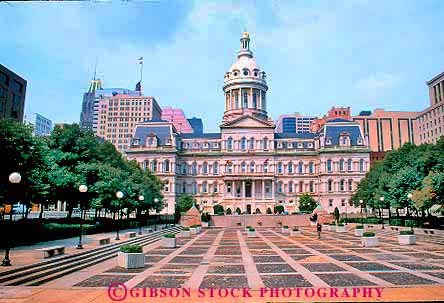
141 198
14 178
382 200
155 215
82 189
119 195
360 203
410 196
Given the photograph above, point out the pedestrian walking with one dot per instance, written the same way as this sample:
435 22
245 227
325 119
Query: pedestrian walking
319 229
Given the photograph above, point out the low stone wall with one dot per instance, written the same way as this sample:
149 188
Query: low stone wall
266 220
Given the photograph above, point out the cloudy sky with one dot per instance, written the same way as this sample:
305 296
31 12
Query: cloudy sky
359 53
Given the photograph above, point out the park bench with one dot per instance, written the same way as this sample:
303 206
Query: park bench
429 232
103 241
131 234
52 251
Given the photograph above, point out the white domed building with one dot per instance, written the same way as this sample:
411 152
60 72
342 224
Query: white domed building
247 165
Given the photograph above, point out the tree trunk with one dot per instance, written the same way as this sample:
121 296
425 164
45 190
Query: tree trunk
397 212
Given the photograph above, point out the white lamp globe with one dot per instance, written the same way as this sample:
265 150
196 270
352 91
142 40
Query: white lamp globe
119 195
141 198
15 178
83 188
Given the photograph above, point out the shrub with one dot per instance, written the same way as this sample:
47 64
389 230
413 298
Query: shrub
238 211
194 226
228 211
248 227
269 211
131 249
258 211
406 232
251 229
368 234
279 209
359 226
396 222
218 209
186 229
295 229
373 221
169 236
205 217
285 226
314 217
340 224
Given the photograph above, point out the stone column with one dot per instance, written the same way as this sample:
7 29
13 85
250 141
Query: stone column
253 188
272 189
243 189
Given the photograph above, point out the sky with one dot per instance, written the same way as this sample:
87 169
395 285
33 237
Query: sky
359 53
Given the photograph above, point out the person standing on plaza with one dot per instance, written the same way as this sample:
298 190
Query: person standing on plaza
319 229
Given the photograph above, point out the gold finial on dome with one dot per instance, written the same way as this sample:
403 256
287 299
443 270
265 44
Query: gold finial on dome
246 35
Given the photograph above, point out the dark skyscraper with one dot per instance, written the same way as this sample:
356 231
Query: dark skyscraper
88 104
12 95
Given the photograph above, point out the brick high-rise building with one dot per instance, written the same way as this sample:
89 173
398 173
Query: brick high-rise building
335 112
431 120
119 114
12 95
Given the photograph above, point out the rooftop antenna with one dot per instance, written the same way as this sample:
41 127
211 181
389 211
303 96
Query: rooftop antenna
95 69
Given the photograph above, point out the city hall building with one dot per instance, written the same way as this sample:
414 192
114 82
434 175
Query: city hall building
248 165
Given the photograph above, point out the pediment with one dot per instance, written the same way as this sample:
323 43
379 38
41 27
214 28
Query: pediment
248 121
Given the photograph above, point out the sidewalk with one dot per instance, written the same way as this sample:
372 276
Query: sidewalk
24 255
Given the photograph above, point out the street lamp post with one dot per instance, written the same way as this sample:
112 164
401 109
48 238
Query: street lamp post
382 200
14 178
155 215
82 189
346 218
362 219
410 196
166 214
141 198
119 195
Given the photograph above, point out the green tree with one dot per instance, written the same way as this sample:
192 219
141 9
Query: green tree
218 209
269 211
279 209
238 211
185 202
307 203
229 211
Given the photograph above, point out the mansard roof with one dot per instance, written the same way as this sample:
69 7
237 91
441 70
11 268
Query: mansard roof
163 132
334 132
294 135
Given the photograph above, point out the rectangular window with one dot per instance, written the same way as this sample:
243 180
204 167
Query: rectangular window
330 202
4 78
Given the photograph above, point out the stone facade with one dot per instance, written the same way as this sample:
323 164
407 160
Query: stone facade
248 165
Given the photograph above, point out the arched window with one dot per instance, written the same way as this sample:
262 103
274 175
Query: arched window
251 143
290 167
244 167
350 185
279 168
265 143
230 143
236 99
342 185
166 166
252 167
184 187
329 165
194 169
243 143
266 167
330 185
204 187
301 186
361 165
154 166
215 168
230 168
349 165
312 187
279 187
245 99
150 141
183 168
311 167
290 187
341 165
205 168
300 167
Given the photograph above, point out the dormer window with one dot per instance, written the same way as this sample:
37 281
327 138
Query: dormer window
360 141
136 141
310 145
279 145
300 145
246 72
328 141
168 142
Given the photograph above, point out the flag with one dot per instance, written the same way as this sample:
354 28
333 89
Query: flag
140 60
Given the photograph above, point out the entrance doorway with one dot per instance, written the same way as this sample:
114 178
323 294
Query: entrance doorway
249 209
247 189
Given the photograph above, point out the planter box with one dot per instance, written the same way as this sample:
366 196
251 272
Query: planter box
407 239
285 230
359 232
332 228
369 241
130 260
295 233
185 233
194 230
205 224
169 242
341 229
251 234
